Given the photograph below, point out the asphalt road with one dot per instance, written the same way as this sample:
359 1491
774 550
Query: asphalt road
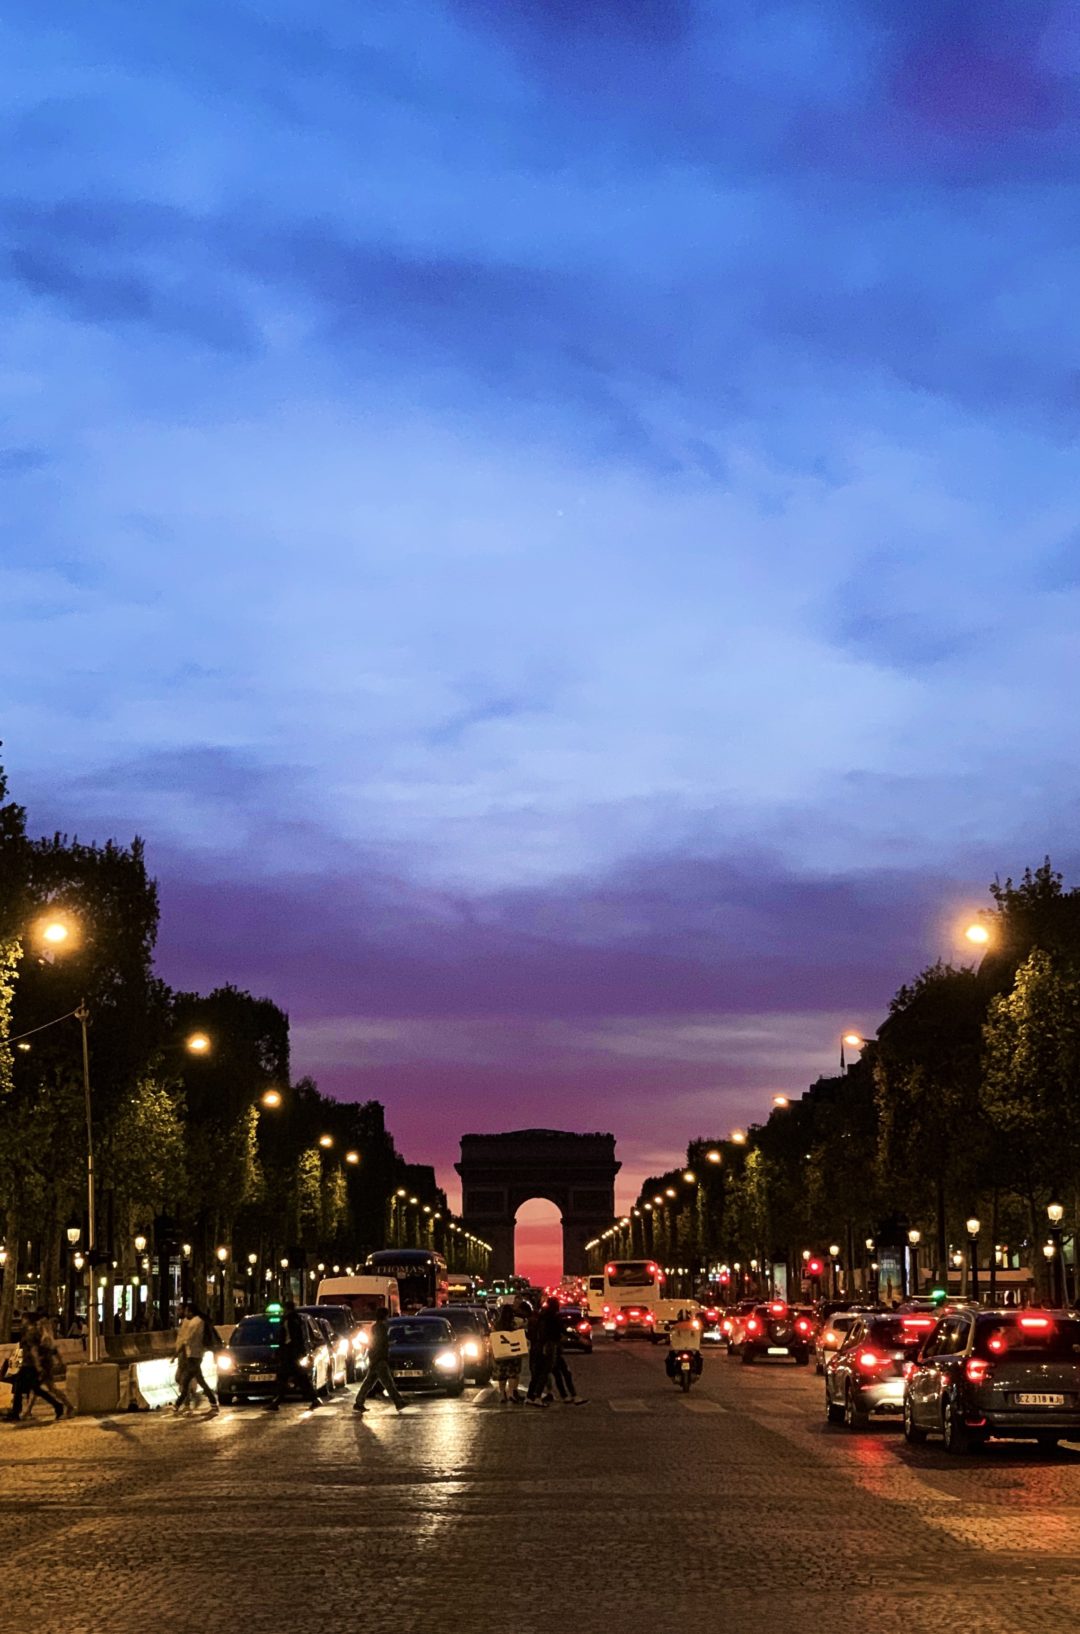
645 1509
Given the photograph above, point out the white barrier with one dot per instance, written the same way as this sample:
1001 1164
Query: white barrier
153 1382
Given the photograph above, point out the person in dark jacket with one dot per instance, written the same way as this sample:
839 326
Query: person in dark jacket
28 1380
292 1349
379 1372
543 1351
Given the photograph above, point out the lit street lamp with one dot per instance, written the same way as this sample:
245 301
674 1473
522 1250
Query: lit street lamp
834 1256
854 1041
1055 1213
914 1238
973 1247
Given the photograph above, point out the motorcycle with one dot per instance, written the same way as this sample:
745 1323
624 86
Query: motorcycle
683 1367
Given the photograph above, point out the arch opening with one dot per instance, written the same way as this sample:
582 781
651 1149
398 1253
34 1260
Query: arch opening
538 1241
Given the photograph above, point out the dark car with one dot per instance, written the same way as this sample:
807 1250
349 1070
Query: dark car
473 1335
769 1330
1013 1373
867 1374
630 1319
346 1333
426 1354
576 1329
247 1365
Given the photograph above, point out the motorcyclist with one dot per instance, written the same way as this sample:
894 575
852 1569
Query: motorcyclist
685 1338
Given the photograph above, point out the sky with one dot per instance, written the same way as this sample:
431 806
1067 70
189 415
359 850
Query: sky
556 522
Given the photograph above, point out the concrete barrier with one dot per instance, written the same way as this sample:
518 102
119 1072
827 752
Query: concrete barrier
94 1387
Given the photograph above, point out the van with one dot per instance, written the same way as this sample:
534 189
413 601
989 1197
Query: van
363 1295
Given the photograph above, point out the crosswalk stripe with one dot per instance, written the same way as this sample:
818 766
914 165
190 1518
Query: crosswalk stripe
628 1404
702 1404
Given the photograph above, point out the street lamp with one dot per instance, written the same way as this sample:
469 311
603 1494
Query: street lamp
914 1238
270 1098
326 1141
854 1041
780 1101
197 1044
689 1176
973 1246
1055 1213
738 1137
352 1157
977 934
834 1255
713 1156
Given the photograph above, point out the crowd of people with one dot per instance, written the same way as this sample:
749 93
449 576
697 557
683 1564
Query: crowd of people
548 1368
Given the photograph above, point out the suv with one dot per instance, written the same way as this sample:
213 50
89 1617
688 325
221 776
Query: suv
866 1375
770 1330
1003 1373
472 1330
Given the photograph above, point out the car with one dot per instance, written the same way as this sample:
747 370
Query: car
336 1354
1009 1373
346 1334
834 1329
867 1374
473 1333
426 1354
734 1320
576 1329
711 1318
769 1330
247 1366
631 1319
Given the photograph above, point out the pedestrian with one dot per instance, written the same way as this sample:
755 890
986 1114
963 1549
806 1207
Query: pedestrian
564 1381
543 1351
196 1336
51 1366
379 1371
27 1381
508 1368
292 1352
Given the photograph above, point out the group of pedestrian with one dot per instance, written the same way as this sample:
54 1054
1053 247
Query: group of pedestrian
548 1368
35 1370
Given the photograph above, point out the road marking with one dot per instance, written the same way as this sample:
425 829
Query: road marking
703 1405
629 1404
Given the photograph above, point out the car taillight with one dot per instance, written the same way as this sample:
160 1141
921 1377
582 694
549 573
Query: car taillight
583 1327
803 1325
778 1308
977 1370
870 1360
1038 1323
753 1325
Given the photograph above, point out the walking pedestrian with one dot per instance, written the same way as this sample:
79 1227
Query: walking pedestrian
292 1352
508 1368
196 1336
51 1366
563 1380
379 1371
27 1382
543 1351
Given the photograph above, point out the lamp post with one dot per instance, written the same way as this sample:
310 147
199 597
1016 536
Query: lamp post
1055 1214
73 1235
871 1278
973 1256
834 1260
222 1259
914 1238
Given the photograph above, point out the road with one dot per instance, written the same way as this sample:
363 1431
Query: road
644 1508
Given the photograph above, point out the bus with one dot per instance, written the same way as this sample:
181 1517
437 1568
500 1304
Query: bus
421 1275
638 1285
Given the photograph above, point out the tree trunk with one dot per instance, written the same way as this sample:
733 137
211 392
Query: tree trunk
941 1250
13 1236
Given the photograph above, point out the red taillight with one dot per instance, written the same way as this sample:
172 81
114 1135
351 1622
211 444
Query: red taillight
1040 1323
977 1370
778 1308
870 1360
997 1345
752 1325
583 1327
918 1324
803 1325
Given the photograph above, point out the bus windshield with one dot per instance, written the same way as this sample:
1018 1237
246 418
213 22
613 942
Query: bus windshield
421 1275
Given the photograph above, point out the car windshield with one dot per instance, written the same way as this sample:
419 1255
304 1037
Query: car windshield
461 1320
338 1318
1031 1337
893 1333
420 1330
257 1330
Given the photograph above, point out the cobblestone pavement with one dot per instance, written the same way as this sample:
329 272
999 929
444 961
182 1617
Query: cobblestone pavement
644 1507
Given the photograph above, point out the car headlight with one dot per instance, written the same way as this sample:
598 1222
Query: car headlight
224 1362
305 1361
472 1350
447 1360
362 1340
343 1347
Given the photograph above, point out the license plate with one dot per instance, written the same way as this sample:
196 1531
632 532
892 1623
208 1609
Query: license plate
1040 1401
776 1350
261 1378
686 1367
408 1373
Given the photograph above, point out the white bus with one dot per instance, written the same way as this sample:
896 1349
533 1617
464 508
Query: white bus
633 1299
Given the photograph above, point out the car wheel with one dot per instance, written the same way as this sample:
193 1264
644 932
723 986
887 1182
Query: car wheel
957 1437
747 1355
834 1412
912 1433
801 1359
819 1368
225 1400
854 1417
455 1390
1048 1442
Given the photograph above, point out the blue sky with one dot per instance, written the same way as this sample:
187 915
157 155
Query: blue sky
557 523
